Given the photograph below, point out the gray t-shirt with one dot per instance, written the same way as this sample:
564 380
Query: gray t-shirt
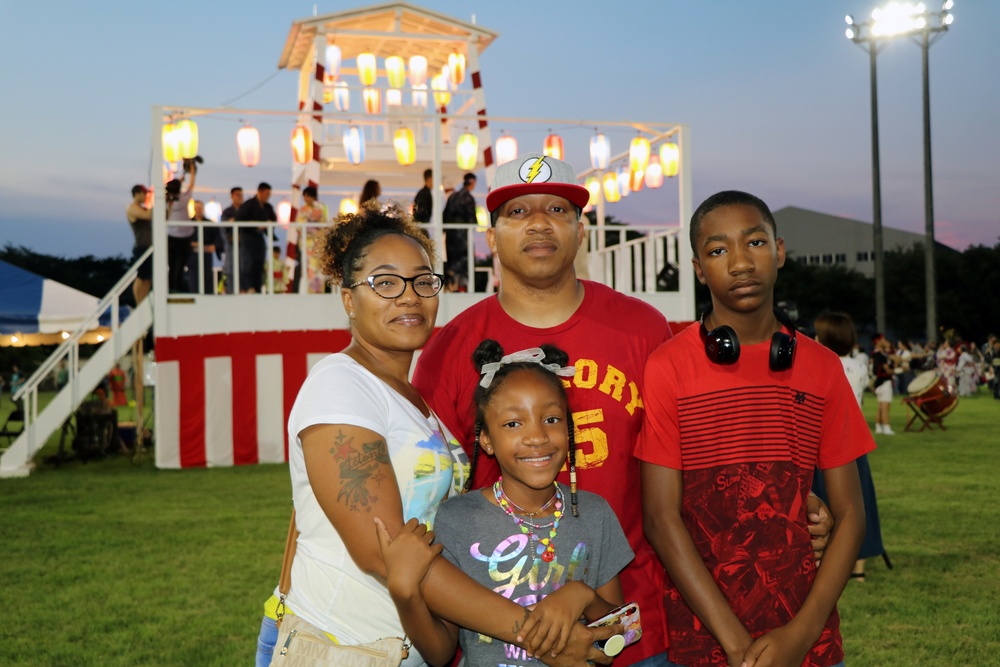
486 544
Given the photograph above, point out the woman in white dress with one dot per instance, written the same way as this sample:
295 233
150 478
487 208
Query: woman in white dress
967 371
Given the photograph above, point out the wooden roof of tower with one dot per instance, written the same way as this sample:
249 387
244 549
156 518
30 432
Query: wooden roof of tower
397 27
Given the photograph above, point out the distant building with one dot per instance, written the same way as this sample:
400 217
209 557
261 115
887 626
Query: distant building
826 240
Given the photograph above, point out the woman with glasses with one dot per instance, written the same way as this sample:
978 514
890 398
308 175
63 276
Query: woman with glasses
361 440
363 444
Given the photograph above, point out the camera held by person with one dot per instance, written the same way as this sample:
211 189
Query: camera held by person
190 163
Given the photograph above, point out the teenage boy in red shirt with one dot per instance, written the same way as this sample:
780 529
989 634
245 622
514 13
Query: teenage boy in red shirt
738 414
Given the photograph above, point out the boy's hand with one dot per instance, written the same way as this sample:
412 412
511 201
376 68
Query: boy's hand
736 654
548 627
407 556
820 525
782 647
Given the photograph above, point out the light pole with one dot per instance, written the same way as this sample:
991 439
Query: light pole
924 27
863 36
934 24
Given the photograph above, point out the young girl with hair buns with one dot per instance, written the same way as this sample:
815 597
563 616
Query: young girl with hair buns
526 537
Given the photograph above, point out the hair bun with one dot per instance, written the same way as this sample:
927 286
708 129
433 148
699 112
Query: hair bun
555 355
487 352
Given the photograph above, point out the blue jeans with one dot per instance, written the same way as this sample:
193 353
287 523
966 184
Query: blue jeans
660 660
266 640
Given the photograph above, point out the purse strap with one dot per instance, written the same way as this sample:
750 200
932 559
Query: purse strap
285 582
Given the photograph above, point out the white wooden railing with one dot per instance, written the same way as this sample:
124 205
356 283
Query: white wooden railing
630 265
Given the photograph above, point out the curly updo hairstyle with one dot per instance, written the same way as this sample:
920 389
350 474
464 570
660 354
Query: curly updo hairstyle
343 247
489 351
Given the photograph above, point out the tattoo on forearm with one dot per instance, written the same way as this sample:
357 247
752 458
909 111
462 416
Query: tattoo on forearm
357 468
520 623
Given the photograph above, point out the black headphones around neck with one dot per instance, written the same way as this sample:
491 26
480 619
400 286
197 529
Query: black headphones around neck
723 347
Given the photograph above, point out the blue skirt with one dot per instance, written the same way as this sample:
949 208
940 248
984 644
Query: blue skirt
872 545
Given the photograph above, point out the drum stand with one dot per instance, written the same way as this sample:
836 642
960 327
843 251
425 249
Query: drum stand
917 411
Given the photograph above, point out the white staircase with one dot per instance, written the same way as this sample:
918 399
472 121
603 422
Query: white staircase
38 426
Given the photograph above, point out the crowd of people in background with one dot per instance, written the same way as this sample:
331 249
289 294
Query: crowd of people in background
223 252
964 366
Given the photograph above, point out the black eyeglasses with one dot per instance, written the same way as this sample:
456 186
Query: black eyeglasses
391 286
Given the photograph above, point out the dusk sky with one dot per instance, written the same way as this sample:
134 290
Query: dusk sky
776 96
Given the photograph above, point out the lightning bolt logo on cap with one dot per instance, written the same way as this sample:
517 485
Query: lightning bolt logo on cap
535 170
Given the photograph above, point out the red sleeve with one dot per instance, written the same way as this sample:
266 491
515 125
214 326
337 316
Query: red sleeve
659 439
845 435
437 379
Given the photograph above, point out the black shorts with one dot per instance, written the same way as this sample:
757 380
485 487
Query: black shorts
146 268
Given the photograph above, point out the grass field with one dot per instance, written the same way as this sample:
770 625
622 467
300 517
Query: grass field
110 563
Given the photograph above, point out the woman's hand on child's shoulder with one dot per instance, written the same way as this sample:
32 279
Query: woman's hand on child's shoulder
407 556
551 621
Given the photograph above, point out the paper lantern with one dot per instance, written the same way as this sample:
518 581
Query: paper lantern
553 146
623 180
638 154
654 173
187 138
482 217
594 188
395 71
284 212
506 148
348 206
333 59
302 144
171 151
393 97
611 191
419 95
373 100
456 69
600 151
367 69
406 146
341 96
248 145
439 85
418 71
467 151
213 211
670 158
190 208
354 144
635 180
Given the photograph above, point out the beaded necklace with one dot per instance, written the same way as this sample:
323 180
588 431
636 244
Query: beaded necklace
544 547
